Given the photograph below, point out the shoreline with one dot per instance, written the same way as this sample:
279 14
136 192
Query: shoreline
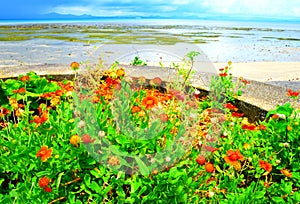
284 74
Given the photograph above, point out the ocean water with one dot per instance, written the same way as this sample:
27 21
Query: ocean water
61 42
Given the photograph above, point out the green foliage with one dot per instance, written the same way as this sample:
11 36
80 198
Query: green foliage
138 62
76 176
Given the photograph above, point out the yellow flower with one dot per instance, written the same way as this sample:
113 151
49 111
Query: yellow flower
75 140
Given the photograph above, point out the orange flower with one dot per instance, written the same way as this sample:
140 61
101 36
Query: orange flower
24 78
156 81
75 140
233 157
265 165
135 109
149 102
209 167
74 65
44 153
163 117
20 90
43 182
262 127
40 119
286 172
120 72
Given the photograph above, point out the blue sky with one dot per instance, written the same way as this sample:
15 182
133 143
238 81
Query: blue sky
279 9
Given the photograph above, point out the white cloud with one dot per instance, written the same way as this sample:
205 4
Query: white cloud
254 7
266 8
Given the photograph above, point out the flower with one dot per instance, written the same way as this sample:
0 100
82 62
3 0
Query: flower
40 119
262 127
248 127
209 167
43 182
155 81
210 148
44 153
86 139
74 66
47 189
163 117
223 74
201 160
75 140
149 102
235 114
4 112
230 107
120 72
292 93
114 161
135 109
286 172
233 157
265 165
20 90
24 78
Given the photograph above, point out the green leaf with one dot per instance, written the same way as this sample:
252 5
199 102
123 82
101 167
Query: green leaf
142 191
259 194
277 199
59 180
95 186
142 166
296 196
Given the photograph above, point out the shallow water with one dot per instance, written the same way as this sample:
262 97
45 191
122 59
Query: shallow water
33 43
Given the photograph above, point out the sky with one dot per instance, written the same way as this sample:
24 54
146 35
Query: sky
274 9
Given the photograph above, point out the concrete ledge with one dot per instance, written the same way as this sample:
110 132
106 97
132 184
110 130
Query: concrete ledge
257 99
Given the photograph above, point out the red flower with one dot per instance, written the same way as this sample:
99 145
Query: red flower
209 167
248 127
292 93
43 182
20 90
47 189
210 148
44 153
87 139
233 157
223 74
4 112
235 114
230 107
265 165
201 160
149 102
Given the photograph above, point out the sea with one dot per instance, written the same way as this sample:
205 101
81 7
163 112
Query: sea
40 42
